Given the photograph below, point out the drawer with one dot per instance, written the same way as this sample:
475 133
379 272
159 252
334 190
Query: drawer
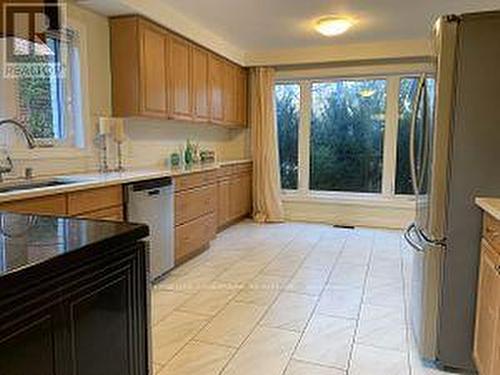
191 237
491 231
193 180
191 204
111 214
49 205
94 199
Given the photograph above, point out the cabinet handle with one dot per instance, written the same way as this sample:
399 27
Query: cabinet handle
497 268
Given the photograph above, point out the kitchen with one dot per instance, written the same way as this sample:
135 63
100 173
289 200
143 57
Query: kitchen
276 158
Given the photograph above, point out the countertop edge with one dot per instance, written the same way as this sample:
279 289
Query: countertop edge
489 205
97 180
134 234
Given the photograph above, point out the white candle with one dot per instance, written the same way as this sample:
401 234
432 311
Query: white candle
104 125
119 129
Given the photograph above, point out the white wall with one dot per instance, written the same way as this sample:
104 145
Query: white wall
151 142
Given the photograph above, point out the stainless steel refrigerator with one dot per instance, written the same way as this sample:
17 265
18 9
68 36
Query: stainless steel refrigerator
455 157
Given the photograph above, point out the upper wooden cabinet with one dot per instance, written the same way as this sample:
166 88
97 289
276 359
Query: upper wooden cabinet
216 88
199 66
161 75
139 67
180 89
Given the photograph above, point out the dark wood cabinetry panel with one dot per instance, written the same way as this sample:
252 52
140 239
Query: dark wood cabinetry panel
91 320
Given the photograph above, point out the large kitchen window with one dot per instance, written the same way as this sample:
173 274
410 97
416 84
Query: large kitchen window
288 117
347 131
347 136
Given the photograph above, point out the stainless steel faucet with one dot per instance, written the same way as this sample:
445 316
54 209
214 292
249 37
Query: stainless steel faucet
30 140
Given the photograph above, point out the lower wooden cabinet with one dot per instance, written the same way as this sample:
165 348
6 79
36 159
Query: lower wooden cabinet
50 205
208 201
104 203
195 213
191 238
487 331
111 214
89 319
234 193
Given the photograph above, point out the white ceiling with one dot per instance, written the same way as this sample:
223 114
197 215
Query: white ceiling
259 25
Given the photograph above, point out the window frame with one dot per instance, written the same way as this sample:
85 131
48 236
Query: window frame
392 73
67 148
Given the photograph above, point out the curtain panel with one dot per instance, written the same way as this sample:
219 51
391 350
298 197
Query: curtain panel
267 204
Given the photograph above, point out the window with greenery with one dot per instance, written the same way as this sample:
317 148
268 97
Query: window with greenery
347 133
408 88
288 117
50 103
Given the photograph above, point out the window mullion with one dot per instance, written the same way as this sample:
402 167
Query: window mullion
304 136
390 137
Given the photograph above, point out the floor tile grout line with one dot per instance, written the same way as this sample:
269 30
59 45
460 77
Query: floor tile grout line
315 306
406 308
208 322
356 328
268 307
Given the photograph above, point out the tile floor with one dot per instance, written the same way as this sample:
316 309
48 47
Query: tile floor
287 299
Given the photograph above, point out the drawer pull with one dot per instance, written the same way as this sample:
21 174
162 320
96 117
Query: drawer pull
497 268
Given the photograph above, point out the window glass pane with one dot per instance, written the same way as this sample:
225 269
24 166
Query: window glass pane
50 102
36 93
288 118
347 132
407 92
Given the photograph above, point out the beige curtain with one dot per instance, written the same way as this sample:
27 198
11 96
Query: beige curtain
267 205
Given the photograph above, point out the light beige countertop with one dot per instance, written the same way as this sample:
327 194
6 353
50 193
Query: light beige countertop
490 205
95 180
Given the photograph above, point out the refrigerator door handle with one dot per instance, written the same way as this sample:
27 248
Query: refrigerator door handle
413 126
409 238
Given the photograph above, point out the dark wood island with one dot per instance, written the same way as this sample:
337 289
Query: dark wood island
73 297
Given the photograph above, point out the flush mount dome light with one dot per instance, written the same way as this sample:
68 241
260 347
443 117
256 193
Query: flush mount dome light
333 25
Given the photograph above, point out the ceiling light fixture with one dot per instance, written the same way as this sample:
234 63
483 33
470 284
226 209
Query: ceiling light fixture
333 25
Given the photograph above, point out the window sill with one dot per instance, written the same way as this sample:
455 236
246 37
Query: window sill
351 199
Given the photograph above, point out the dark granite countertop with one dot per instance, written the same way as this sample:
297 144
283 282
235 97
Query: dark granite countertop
31 241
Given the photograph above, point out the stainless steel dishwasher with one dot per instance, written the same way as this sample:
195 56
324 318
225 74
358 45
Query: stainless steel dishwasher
152 202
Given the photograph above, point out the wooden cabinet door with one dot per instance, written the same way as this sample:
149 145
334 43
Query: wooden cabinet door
34 344
153 70
229 96
193 236
180 79
216 88
246 195
201 109
241 97
487 312
237 197
495 360
223 204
